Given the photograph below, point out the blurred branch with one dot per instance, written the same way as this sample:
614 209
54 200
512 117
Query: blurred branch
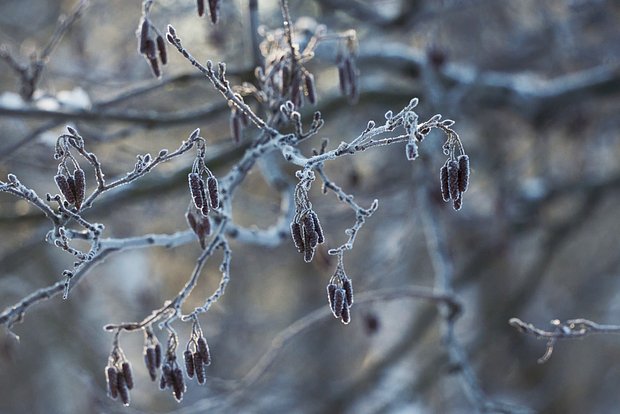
29 74
571 329
529 94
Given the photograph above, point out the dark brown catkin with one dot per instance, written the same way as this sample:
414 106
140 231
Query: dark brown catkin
458 203
63 185
157 355
214 10
149 361
310 235
128 374
235 126
463 175
445 185
297 238
161 48
112 380
199 368
155 67
123 392
203 349
144 35
194 189
453 179
79 181
331 292
149 50
178 386
339 299
162 382
317 228
214 197
189 363
347 285
310 88
346 315
201 7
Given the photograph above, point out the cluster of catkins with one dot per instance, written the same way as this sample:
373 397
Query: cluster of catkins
307 234
72 186
197 357
152 45
172 376
119 378
454 176
340 296
214 9
205 196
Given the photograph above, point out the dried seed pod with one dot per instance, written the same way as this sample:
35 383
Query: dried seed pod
201 7
213 192
346 315
189 363
203 349
149 361
445 186
127 374
155 67
79 181
178 385
63 185
297 238
214 10
463 176
347 285
411 150
123 392
331 292
144 36
339 302
317 227
199 368
310 88
453 179
195 183
112 380
161 48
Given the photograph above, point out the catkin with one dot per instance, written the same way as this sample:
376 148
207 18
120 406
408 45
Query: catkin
347 285
127 374
112 380
463 175
297 237
411 150
65 189
149 361
453 179
79 181
195 189
213 192
310 235
310 88
161 48
203 349
331 292
123 392
214 10
189 363
178 385
201 7
346 315
199 368
317 227
144 35
157 355
445 185
339 299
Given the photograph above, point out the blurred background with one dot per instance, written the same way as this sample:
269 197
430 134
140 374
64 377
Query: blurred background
534 88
